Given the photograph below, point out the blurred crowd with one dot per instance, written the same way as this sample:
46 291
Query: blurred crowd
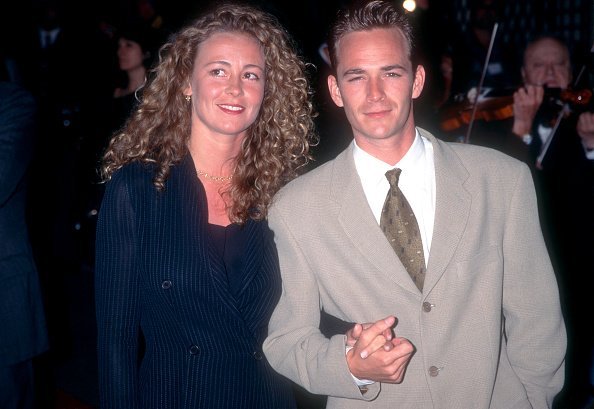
498 74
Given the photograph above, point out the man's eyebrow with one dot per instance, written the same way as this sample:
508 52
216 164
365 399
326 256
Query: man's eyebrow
359 71
354 71
393 67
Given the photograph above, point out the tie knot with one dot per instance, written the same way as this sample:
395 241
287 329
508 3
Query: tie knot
393 175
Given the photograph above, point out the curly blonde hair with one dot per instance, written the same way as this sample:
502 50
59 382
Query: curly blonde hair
276 145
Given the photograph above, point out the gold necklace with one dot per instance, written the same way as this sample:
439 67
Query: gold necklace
217 179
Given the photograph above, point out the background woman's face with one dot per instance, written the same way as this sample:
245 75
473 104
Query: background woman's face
130 55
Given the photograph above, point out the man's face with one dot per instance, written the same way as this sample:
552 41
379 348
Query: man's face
375 84
546 63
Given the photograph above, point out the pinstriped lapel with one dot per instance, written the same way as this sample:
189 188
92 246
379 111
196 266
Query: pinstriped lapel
219 276
452 209
359 224
254 252
253 265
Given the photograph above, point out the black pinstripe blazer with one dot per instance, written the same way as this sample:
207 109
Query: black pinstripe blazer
158 277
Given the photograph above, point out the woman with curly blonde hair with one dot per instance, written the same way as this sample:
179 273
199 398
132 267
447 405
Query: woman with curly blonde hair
186 264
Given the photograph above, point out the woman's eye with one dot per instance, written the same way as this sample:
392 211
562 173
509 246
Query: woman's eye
251 76
217 72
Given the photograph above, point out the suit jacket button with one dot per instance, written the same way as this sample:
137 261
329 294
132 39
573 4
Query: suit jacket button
257 355
166 285
427 306
434 371
194 350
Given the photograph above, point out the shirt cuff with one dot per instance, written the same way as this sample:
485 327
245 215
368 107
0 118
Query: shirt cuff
359 382
589 152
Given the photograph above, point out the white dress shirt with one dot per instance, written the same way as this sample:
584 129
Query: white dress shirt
48 37
417 183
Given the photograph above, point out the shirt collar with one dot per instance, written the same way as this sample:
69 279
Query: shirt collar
372 170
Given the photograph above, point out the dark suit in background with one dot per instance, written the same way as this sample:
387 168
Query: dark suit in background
566 201
158 275
22 329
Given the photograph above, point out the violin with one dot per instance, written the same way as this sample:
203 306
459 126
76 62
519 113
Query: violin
500 108
576 98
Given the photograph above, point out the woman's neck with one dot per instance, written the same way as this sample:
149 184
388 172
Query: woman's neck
214 155
214 160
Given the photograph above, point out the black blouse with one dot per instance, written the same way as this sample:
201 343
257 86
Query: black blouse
230 242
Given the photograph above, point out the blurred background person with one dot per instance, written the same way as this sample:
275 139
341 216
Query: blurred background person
462 62
469 52
136 51
562 159
23 332
185 259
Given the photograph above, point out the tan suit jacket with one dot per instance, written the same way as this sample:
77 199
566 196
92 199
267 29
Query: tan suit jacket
487 328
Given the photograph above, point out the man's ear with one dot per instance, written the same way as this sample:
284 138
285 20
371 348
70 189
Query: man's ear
419 81
334 90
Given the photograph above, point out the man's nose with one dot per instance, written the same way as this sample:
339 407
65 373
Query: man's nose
375 91
550 69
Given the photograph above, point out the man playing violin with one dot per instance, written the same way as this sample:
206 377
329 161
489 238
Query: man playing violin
546 64
564 177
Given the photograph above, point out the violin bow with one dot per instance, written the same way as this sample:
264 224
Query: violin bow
582 70
545 147
480 84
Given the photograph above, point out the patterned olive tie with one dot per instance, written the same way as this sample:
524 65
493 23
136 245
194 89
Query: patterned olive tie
400 226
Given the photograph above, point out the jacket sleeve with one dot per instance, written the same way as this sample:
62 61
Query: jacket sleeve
534 327
295 347
117 296
17 125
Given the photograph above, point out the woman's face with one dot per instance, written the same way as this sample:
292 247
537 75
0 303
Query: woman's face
130 55
227 84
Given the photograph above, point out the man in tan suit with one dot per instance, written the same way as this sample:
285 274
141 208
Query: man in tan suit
480 325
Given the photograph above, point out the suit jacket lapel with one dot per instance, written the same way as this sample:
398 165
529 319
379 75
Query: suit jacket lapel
452 208
357 220
254 253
